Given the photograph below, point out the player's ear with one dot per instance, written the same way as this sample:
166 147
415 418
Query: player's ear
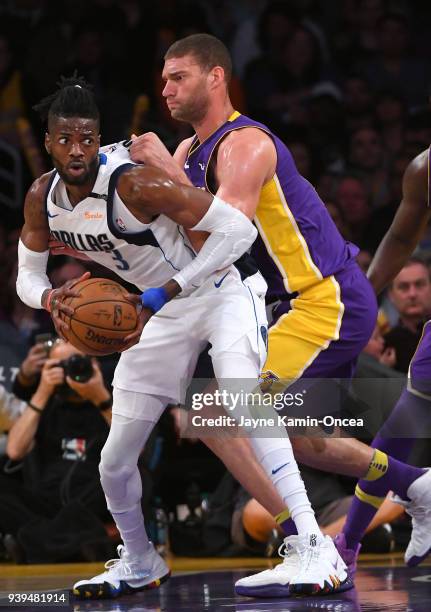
217 75
48 143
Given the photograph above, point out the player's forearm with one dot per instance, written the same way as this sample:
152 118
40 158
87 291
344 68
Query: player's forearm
231 234
390 257
32 283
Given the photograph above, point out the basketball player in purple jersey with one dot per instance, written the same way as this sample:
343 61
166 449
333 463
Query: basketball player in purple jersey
413 410
326 310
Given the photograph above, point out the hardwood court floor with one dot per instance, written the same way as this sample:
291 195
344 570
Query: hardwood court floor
206 585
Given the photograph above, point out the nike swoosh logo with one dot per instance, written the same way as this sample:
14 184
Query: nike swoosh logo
279 468
52 216
217 285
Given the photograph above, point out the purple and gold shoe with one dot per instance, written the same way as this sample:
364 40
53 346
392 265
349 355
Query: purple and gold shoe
349 555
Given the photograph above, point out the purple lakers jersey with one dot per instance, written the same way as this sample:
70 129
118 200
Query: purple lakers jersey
298 243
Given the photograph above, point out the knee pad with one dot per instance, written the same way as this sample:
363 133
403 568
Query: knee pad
121 484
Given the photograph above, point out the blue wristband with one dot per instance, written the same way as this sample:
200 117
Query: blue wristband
154 298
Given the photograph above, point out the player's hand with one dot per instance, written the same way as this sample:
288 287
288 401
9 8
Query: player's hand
34 361
144 315
56 247
93 389
149 149
51 376
59 309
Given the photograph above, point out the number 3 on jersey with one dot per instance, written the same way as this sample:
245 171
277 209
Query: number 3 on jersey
122 263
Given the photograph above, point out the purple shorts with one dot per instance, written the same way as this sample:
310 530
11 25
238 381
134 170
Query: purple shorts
298 333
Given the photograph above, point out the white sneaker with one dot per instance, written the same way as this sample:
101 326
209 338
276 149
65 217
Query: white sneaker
124 575
419 509
274 582
322 570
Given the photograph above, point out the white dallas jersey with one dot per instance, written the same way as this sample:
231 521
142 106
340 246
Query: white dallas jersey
146 255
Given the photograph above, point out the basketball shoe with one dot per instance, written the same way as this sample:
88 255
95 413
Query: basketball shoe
274 582
419 508
322 571
124 575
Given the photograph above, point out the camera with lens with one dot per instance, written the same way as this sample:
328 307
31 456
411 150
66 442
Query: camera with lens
78 367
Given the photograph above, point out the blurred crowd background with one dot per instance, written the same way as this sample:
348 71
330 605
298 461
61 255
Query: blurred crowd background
344 83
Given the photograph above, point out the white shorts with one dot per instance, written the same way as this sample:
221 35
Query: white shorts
219 313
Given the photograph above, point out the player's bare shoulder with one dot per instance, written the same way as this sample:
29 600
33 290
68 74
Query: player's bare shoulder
416 175
34 205
249 136
251 144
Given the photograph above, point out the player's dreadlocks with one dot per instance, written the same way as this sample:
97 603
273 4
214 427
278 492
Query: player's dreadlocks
73 98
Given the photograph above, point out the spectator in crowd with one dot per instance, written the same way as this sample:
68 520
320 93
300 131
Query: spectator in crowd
364 258
59 437
326 124
28 375
356 36
410 293
245 44
381 218
304 157
352 200
338 218
358 102
386 355
367 160
394 66
391 113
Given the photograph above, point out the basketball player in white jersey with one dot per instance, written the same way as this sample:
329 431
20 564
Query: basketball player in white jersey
131 219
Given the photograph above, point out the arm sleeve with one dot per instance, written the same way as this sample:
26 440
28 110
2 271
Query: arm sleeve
231 235
32 280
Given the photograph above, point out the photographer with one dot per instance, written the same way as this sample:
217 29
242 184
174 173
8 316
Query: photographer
59 437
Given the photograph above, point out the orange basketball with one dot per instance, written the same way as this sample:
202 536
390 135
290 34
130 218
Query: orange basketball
103 317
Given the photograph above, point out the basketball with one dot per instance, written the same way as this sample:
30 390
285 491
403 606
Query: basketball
103 317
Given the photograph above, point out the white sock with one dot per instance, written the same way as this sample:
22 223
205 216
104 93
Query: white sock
276 455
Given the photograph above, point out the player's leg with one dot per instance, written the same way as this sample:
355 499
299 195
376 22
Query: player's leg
138 567
276 457
141 392
408 421
240 460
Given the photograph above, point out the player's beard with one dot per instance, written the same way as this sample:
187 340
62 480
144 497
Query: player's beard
87 176
195 110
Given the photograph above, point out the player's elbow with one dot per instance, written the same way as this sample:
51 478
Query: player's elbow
244 233
19 288
21 285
